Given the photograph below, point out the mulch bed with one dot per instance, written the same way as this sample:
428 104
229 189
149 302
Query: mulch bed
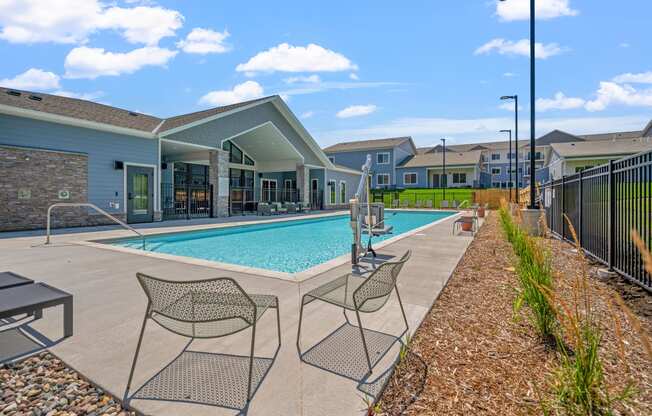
42 385
482 360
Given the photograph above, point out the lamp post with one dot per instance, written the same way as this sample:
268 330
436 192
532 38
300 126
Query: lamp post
509 156
444 179
533 204
515 98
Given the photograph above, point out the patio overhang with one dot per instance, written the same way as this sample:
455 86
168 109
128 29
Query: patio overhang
269 147
176 151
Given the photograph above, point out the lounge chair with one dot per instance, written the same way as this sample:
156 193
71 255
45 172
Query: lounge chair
277 208
359 294
405 204
466 219
264 209
19 295
396 203
418 204
211 308
305 207
443 204
291 207
429 204
456 204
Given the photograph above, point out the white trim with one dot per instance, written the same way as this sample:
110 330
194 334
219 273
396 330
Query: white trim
71 121
285 182
345 170
500 171
157 172
383 174
261 186
416 176
214 117
125 165
271 123
201 146
389 158
342 200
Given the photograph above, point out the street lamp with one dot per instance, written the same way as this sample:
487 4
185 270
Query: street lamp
444 179
515 98
532 105
509 156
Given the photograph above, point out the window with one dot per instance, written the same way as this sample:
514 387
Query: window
382 179
495 185
410 178
582 168
342 192
503 184
382 158
511 155
496 171
332 159
459 178
495 156
248 161
332 193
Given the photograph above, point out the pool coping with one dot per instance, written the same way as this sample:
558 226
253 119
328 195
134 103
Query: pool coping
298 277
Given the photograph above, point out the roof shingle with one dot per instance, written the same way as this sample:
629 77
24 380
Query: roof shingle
367 144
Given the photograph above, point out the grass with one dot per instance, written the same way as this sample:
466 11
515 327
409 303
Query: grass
427 194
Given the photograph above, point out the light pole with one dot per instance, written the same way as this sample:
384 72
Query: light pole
509 156
515 98
444 179
533 204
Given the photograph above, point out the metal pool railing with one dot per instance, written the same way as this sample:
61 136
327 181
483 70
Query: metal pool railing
100 210
605 204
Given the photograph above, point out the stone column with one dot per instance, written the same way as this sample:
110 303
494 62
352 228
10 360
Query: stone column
218 176
303 183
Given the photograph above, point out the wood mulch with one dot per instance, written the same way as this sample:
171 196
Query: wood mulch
472 356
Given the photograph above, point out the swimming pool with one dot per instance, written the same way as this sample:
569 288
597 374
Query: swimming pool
286 246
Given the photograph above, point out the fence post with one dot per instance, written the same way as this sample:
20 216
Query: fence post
563 207
579 203
210 195
611 216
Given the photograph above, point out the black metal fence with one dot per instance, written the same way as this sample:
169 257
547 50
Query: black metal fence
605 204
186 201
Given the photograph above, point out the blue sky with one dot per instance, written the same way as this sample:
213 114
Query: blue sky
348 69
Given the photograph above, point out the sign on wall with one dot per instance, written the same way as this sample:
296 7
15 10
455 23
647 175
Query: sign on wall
63 194
24 193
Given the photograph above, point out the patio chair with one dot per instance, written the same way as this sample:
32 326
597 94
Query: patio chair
211 308
305 207
429 204
418 204
264 209
456 204
291 208
396 203
443 204
278 208
354 293
466 219
405 204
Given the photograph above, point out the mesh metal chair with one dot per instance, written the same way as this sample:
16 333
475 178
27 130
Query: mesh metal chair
358 294
209 308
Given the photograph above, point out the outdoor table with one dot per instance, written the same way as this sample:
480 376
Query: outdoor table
33 298
9 279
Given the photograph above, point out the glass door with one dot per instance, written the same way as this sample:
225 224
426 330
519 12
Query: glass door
140 194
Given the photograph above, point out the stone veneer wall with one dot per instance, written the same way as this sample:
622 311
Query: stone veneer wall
218 176
32 179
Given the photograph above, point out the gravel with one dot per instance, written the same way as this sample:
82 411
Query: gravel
42 385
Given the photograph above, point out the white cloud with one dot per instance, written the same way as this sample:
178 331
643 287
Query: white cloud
356 111
313 88
248 90
354 76
204 41
311 79
509 106
640 78
624 45
544 9
429 130
559 102
33 79
510 74
521 47
84 62
73 21
288 58
613 93
307 114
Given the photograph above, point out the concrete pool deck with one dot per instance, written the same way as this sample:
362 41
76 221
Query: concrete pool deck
109 307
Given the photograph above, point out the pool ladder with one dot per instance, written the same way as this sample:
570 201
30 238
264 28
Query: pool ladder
96 208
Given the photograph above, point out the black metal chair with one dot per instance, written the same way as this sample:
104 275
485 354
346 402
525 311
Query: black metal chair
211 308
358 294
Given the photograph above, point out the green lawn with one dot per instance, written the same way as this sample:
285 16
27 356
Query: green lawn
413 195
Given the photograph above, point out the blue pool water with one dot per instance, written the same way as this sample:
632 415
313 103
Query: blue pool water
289 246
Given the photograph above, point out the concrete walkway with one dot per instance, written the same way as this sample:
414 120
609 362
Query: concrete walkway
109 306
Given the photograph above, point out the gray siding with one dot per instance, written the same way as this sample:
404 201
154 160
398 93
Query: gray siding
355 160
422 177
213 132
105 184
351 180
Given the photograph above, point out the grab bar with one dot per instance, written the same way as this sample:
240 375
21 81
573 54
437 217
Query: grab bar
96 208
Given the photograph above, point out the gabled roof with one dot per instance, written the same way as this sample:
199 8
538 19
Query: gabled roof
78 109
557 136
602 148
360 145
436 159
178 121
611 136
647 131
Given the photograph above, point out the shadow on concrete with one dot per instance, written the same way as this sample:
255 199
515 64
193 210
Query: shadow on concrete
19 340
